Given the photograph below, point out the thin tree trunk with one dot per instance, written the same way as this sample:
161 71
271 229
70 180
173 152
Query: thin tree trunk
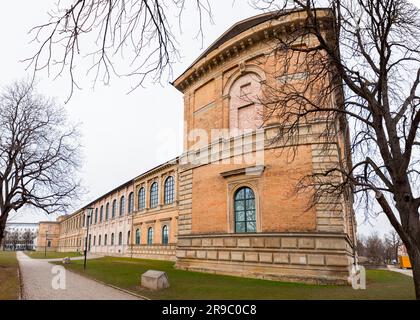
3 220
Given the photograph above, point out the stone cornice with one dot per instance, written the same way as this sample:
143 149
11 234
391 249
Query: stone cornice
240 43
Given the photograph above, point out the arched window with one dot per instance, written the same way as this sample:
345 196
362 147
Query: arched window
101 214
94 240
120 238
244 205
96 215
84 220
130 202
154 195
114 208
150 236
165 234
99 240
128 237
169 190
112 239
122 206
142 199
106 239
138 236
107 211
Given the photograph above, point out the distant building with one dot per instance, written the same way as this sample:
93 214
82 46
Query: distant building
48 234
21 242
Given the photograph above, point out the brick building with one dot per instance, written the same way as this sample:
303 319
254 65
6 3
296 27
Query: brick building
228 203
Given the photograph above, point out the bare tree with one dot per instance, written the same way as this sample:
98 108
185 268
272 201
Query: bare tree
141 31
375 249
28 239
392 242
359 65
12 239
39 153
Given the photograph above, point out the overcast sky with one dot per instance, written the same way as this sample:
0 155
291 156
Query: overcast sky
123 134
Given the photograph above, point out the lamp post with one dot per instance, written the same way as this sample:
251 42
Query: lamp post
89 212
46 242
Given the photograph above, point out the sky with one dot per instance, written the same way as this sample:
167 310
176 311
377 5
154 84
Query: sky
123 134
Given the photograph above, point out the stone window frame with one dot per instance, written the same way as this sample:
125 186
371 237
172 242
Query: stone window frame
150 236
166 224
166 188
107 211
114 208
233 186
130 202
242 69
158 193
138 236
122 205
101 213
144 187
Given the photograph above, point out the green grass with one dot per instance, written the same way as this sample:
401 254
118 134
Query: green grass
125 273
51 254
9 281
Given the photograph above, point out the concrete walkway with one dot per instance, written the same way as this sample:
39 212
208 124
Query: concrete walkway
44 281
407 272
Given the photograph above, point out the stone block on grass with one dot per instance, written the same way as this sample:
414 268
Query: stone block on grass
154 280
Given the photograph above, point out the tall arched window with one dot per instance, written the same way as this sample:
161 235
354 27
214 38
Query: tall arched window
122 206
99 240
244 205
165 234
112 239
106 239
128 237
101 214
138 236
94 240
96 215
130 202
107 211
114 208
169 190
154 195
120 238
142 198
150 236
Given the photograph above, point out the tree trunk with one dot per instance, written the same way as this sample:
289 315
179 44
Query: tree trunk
3 220
414 255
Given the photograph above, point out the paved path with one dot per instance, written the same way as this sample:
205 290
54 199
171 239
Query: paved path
40 277
407 272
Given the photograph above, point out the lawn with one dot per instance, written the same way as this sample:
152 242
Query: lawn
125 273
51 254
9 281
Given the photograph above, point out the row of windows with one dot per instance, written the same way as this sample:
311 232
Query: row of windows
169 196
150 235
244 206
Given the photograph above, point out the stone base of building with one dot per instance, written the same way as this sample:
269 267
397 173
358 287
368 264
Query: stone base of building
316 258
154 252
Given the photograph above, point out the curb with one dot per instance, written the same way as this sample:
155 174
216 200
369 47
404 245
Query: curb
20 294
107 284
